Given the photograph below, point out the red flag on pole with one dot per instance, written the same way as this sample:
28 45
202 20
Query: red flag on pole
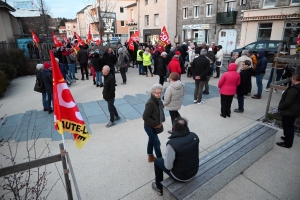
66 113
35 38
65 38
56 42
80 41
89 37
164 38
133 38
298 39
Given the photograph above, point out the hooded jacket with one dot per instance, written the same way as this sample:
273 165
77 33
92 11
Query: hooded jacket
289 104
262 63
174 66
239 61
229 81
173 96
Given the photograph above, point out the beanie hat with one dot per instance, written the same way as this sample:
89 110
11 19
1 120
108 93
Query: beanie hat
164 54
39 66
47 65
177 53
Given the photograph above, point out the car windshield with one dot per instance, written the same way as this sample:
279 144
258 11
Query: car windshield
250 46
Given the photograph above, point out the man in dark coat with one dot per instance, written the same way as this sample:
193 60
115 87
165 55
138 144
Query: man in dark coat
182 156
200 69
260 72
110 59
161 67
289 108
47 80
82 58
109 95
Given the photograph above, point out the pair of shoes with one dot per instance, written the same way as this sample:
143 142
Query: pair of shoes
50 111
256 97
195 101
283 138
101 85
45 109
282 144
97 85
123 83
249 94
228 115
201 102
238 111
205 92
158 191
75 78
216 77
117 118
170 132
110 124
151 158
95 82
267 89
82 79
222 116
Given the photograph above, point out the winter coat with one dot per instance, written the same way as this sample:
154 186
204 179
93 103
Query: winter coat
161 66
229 81
39 78
219 57
262 63
151 115
82 56
174 66
109 87
97 64
201 67
211 56
109 59
173 96
239 61
245 83
122 59
254 61
289 104
47 80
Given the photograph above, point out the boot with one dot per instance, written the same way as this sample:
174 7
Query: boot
151 158
94 82
146 74
151 75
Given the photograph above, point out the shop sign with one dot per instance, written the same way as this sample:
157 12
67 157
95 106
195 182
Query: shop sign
196 26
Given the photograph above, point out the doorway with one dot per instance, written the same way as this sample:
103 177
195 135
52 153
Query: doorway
227 38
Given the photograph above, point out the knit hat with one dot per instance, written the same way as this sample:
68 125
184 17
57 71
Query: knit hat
39 66
163 54
47 65
177 53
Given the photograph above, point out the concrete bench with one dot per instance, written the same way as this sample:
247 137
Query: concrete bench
222 165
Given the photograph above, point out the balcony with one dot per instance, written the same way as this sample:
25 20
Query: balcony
226 17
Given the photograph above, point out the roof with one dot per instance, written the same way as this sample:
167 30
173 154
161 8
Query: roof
73 20
5 5
82 11
131 5
62 27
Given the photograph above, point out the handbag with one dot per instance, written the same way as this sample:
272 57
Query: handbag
38 87
218 63
159 130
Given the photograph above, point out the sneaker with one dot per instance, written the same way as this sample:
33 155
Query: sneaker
123 83
205 92
82 79
158 191
110 124
238 111
267 89
75 78
201 102
195 101
117 118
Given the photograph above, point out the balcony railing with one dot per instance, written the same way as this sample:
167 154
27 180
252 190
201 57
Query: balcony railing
227 17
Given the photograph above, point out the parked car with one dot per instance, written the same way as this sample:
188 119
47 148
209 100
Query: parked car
269 46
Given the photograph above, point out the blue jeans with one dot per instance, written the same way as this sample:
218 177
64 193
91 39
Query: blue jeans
259 83
278 76
153 142
240 99
72 70
44 100
141 68
99 77
49 100
159 169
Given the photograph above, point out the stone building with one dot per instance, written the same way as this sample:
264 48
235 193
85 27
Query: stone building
71 27
132 17
217 21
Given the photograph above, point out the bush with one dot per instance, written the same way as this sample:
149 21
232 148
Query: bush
3 83
16 57
9 70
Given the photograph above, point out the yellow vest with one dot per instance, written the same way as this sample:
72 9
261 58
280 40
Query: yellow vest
147 59
138 57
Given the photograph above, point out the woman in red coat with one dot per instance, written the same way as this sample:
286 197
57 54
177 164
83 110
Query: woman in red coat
228 85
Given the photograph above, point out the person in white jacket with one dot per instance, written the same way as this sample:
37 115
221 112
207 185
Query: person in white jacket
192 54
219 60
173 96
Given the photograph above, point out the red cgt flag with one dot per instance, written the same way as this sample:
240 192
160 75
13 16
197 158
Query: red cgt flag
66 113
80 41
164 38
35 38
56 42
65 38
133 38
89 36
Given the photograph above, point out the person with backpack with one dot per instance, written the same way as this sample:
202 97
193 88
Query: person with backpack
122 64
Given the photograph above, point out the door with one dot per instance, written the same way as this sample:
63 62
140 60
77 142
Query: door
196 35
227 38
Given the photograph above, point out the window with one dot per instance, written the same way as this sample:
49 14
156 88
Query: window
122 23
132 14
260 45
208 10
196 11
183 35
264 31
290 32
230 6
147 20
269 3
155 1
146 2
121 10
250 46
185 13
156 20
73 26
295 1
273 45
243 2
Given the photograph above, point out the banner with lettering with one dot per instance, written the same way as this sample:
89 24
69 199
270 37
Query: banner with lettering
164 38
66 113
133 38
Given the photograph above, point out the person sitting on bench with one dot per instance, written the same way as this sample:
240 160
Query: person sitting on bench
182 156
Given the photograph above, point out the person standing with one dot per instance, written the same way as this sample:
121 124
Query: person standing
260 72
121 64
228 85
240 61
173 96
109 95
211 57
147 61
174 65
139 59
219 60
39 79
253 58
153 117
110 59
214 48
289 108
182 156
235 55
191 59
98 65
245 84
71 63
82 58
161 67
200 69
48 83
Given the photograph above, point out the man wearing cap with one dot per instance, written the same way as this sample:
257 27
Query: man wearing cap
174 65
47 80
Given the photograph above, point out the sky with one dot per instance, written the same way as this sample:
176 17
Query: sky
61 8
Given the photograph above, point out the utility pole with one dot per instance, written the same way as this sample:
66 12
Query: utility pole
45 23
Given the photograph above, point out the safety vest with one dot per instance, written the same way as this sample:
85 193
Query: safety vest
147 59
138 57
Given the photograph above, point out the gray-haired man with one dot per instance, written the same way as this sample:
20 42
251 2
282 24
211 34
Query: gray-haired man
242 59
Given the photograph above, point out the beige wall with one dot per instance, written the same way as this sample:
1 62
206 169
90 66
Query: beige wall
120 29
134 18
71 27
15 26
6 31
81 25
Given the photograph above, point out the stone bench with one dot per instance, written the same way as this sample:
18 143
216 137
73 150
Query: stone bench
221 166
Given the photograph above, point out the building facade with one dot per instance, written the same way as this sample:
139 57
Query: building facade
71 27
132 18
81 23
153 15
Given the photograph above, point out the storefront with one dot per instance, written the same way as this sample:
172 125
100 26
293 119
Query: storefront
151 35
195 33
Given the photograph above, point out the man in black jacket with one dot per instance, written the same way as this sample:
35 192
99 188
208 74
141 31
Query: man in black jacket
289 108
182 156
47 80
110 59
200 70
109 95
82 58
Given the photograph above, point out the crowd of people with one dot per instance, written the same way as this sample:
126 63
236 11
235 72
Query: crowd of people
172 62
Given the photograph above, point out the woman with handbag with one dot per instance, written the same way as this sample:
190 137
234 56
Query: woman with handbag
153 117
39 85
219 59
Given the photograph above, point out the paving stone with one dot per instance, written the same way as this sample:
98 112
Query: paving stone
119 101
102 103
98 119
132 100
9 131
140 108
92 109
13 120
43 121
189 90
128 111
189 97
25 135
41 113
143 97
43 131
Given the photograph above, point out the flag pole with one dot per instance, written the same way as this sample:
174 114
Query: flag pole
63 140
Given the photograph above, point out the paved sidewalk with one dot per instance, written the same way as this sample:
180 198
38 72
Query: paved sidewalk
113 163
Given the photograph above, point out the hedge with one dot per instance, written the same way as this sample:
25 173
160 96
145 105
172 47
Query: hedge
3 83
9 70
